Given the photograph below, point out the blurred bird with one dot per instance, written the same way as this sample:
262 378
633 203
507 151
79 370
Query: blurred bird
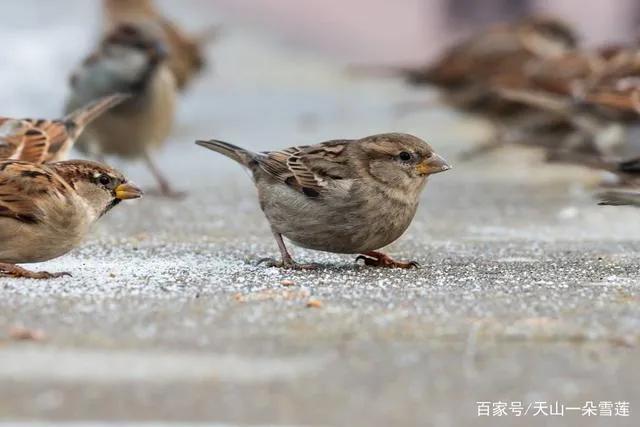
186 52
464 71
47 210
620 197
466 74
598 102
342 196
41 140
130 61
498 49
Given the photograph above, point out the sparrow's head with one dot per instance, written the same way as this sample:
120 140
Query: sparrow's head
546 37
144 39
100 186
400 160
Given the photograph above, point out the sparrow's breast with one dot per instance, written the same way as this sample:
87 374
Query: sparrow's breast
63 229
353 222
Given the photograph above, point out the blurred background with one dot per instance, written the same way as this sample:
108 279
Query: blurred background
44 50
528 292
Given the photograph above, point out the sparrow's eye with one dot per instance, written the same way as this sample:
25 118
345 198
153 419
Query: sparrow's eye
104 180
404 156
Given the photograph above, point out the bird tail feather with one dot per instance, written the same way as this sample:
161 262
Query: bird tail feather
81 117
619 197
240 155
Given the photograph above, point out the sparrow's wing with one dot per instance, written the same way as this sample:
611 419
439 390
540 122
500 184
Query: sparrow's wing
22 185
627 99
9 146
308 169
27 140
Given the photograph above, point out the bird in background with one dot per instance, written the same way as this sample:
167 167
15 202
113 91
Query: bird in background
342 196
186 52
46 210
44 140
599 104
131 60
465 72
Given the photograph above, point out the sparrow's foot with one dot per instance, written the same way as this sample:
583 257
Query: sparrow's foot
378 259
287 264
15 271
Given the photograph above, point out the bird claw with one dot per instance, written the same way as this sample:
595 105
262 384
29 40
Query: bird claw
47 275
382 260
19 272
287 264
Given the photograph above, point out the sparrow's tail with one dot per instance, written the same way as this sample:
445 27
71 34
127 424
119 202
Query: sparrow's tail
77 120
240 155
620 197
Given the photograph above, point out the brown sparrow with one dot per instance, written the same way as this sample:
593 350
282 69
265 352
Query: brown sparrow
40 141
597 104
47 210
343 196
499 45
130 61
465 72
186 57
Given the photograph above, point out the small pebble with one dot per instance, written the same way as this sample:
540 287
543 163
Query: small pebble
25 334
314 303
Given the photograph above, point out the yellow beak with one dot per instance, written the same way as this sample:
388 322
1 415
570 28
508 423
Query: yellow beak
434 164
128 191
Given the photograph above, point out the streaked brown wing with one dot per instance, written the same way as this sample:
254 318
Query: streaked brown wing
307 168
21 183
35 141
54 133
10 146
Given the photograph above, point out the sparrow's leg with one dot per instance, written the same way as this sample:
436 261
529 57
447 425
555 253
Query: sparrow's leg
287 261
163 183
378 259
15 271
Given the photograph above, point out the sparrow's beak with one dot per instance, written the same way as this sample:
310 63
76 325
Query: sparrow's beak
128 191
434 164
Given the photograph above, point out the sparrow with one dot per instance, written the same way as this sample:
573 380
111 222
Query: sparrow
341 196
132 61
42 140
496 49
464 73
186 51
46 210
598 105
